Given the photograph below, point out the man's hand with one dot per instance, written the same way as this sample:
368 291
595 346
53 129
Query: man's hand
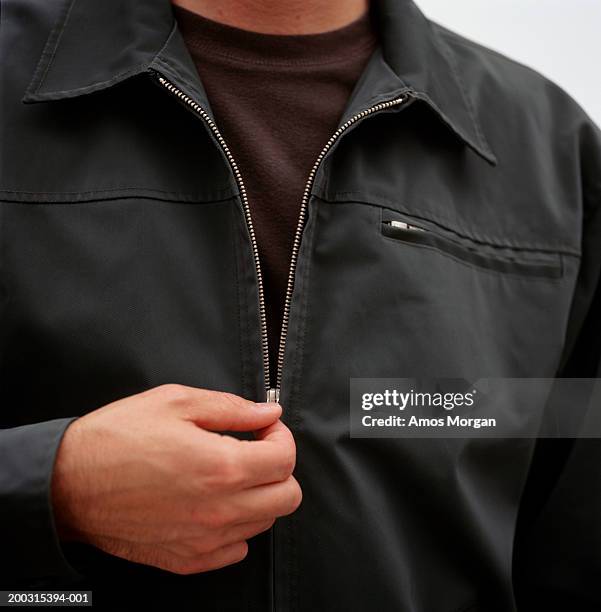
147 479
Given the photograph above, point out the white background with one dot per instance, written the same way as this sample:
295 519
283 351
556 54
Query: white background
560 38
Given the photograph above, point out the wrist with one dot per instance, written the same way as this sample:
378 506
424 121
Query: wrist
63 486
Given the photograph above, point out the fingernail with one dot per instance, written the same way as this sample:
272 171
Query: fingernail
268 406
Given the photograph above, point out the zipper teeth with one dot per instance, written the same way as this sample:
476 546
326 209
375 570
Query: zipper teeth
245 205
301 222
299 228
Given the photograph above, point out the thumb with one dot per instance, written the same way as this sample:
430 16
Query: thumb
217 411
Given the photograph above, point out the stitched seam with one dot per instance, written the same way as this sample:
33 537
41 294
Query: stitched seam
453 240
471 45
54 39
101 191
34 95
528 277
246 320
295 416
359 198
456 128
458 238
238 300
169 37
450 58
93 87
95 200
116 199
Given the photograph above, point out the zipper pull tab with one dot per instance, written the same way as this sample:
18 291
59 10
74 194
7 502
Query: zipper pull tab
273 395
406 226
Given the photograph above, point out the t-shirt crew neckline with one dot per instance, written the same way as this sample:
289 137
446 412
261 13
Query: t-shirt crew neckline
217 39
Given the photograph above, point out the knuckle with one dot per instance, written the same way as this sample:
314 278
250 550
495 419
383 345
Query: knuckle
264 526
235 400
295 495
288 462
221 471
215 517
284 463
229 473
211 519
175 394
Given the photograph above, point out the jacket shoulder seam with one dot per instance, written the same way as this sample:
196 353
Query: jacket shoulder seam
453 38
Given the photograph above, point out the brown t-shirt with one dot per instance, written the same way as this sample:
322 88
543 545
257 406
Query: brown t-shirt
276 100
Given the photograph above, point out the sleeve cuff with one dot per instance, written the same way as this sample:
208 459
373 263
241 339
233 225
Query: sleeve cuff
31 548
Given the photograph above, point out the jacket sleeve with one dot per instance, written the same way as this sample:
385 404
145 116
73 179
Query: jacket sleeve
557 554
29 547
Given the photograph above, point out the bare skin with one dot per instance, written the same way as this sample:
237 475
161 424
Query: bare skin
147 478
279 16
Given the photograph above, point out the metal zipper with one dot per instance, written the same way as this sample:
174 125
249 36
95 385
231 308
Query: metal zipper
273 393
405 226
301 222
249 223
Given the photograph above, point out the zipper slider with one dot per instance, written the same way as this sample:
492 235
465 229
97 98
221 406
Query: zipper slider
273 395
406 226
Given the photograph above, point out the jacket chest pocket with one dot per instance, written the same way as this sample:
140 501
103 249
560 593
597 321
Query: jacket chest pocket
487 257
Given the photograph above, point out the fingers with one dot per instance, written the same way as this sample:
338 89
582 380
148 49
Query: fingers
178 562
245 531
202 562
218 538
231 464
268 459
274 432
227 555
218 411
264 502
196 495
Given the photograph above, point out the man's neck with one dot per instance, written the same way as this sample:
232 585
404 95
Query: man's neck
279 16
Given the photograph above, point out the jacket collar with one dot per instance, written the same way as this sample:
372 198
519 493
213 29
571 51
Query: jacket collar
417 54
97 44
